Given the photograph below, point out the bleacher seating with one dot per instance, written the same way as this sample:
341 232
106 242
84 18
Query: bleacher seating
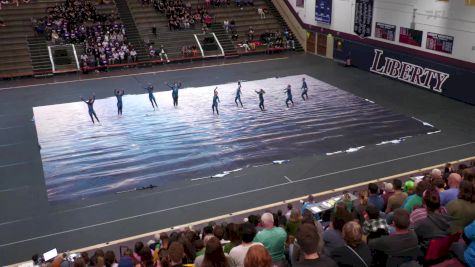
25 53
15 57
146 17
335 226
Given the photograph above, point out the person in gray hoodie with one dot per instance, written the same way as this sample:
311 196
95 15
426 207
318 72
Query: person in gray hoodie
436 224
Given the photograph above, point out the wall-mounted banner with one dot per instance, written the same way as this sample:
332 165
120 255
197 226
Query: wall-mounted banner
300 3
439 42
363 17
323 11
385 31
423 72
408 72
410 36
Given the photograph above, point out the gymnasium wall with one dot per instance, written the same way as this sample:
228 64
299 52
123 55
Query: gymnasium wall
452 17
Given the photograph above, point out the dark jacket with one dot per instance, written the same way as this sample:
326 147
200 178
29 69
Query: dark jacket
344 256
435 225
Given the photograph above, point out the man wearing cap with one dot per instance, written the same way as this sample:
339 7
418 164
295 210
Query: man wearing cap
415 200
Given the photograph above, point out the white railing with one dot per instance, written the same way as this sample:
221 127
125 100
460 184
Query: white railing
51 48
219 44
199 45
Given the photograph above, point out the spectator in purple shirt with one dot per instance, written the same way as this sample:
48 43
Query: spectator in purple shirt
450 194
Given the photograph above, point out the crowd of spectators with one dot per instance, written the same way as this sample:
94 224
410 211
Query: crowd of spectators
272 40
392 224
189 51
227 3
103 36
180 14
14 2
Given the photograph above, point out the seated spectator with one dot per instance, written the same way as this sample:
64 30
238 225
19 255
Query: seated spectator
250 34
273 238
206 237
214 255
238 253
398 248
110 259
360 205
80 262
439 184
294 249
186 51
462 210
294 222
99 253
309 201
162 53
232 25
291 41
226 25
409 187
435 224
356 252
133 55
281 219
431 204
208 20
468 175
374 226
258 256
175 254
332 237
151 51
397 199
204 29
232 233
218 232
55 37
308 239
469 254
415 200
388 192
435 174
234 35
374 198
146 257
261 13
194 50
450 194
289 210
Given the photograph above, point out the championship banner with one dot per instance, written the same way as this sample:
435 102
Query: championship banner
385 31
410 36
363 17
440 42
323 11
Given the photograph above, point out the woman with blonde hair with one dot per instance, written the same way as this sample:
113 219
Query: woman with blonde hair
294 222
356 252
360 205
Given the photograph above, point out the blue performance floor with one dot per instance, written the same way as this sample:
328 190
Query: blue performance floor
144 147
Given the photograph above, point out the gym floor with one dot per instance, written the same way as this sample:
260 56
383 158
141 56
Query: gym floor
30 224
